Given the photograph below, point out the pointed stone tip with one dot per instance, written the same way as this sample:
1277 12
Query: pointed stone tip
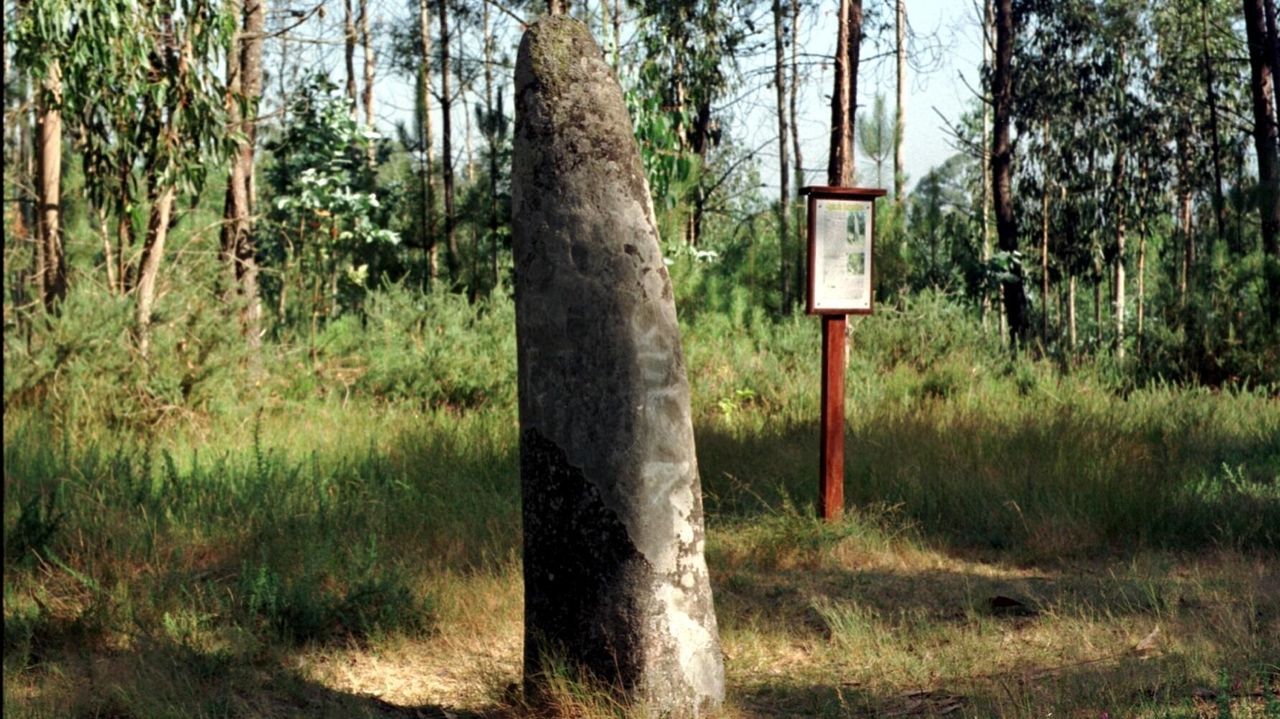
552 46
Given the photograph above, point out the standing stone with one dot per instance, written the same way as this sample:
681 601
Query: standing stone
615 579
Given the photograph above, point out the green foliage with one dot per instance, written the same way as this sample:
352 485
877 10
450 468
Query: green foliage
140 82
80 368
308 607
430 348
328 222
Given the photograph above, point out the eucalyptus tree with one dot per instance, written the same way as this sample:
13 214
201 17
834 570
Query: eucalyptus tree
900 116
38 33
690 50
244 85
1263 92
784 172
1015 302
140 84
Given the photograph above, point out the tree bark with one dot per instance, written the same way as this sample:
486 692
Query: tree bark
1044 257
1188 248
1015 301
1273 49
428 141
1142 282
446 111
491 139
988 33
1118 210
1262 89
784 180
798 258
53 268
349 55
149 266
1071 312
844 97
899 127
370 70
1211 98
244 70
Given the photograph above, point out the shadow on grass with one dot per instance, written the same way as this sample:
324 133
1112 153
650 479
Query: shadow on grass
815 602
1056 486
1116 686
165 679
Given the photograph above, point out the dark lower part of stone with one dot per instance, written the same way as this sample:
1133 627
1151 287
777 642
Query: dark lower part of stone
583 577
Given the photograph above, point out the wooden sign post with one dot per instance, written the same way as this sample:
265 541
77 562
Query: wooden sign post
841 228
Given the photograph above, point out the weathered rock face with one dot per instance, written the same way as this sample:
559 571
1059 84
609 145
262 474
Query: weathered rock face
615 580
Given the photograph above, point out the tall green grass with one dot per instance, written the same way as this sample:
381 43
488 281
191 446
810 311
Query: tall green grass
318 496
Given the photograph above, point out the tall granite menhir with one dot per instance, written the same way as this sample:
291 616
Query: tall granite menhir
615 579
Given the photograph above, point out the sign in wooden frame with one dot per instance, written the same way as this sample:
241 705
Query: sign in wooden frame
841 228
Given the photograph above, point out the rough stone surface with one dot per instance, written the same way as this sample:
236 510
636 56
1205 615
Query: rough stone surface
615 579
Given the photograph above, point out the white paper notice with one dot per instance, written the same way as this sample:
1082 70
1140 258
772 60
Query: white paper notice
842 255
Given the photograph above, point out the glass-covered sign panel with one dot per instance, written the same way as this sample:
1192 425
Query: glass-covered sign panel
841 268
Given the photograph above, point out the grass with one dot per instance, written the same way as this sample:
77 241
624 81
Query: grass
345 548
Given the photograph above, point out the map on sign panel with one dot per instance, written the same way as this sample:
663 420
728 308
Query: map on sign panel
842 255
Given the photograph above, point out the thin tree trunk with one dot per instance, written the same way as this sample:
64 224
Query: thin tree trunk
1044 254
124 234
446 110
988 34
1273 49
53 270
466 123
491 137
1142 283
1211 97
1262 88
1188 248
784 180
349 55
428 151
370 69
899 163
844 98
798 258
24 219
149 267
1071 312
108 255
617 36
244 70
1002 170
1118 179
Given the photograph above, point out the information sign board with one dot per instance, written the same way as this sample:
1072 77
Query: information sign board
841 228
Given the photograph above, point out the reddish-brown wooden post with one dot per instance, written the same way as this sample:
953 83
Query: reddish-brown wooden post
835 301
831 441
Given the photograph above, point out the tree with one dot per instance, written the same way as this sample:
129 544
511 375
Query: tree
327 216
446 113
1262 90
244 84
877 137
784 180
140 85
691 50
899 125
1002 170
840 163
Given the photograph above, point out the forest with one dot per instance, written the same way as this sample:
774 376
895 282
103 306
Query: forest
261 449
